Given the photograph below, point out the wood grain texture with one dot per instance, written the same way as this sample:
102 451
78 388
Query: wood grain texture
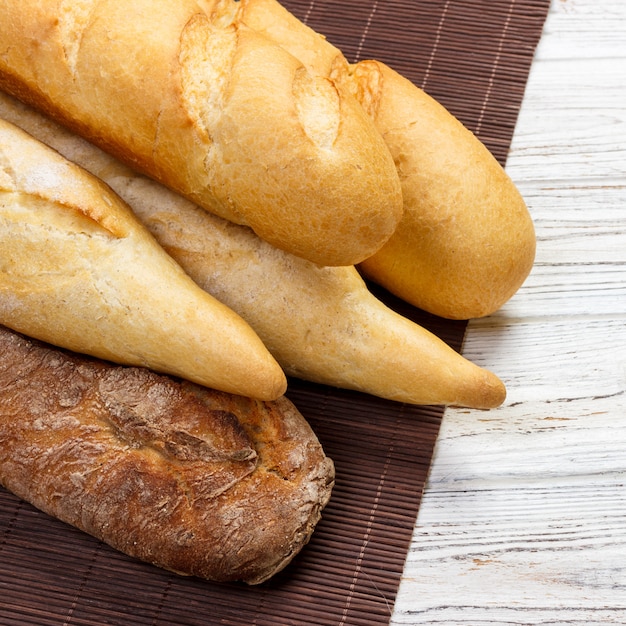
524 516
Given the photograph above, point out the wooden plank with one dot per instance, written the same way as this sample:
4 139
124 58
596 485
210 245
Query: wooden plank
524 516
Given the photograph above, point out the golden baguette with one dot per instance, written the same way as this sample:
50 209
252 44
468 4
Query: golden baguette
466 242
190 479
321 323
78 270
214 110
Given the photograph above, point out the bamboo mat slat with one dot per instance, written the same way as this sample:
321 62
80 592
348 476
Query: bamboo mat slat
474 57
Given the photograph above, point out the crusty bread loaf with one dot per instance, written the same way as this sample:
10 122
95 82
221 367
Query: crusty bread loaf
466 241
77 269
214 110
320 323
193 480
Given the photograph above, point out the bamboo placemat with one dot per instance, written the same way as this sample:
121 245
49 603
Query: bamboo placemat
474 57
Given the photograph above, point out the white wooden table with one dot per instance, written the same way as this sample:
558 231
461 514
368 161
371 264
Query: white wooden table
524 516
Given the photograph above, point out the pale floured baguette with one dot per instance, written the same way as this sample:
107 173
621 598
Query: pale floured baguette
466 242
78 270
213 109
321 323
190 479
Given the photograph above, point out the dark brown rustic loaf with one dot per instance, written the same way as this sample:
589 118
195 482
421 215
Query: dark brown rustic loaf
192 480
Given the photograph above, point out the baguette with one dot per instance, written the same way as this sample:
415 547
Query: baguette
320 323
189 479
78 270
466 241
214 110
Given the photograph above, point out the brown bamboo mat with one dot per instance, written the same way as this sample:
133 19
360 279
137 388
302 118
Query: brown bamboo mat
474 57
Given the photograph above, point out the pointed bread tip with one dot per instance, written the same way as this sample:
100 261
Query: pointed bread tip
486 392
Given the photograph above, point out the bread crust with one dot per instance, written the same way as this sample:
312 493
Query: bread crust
194 98
78 269
466 241
320 323
192 480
